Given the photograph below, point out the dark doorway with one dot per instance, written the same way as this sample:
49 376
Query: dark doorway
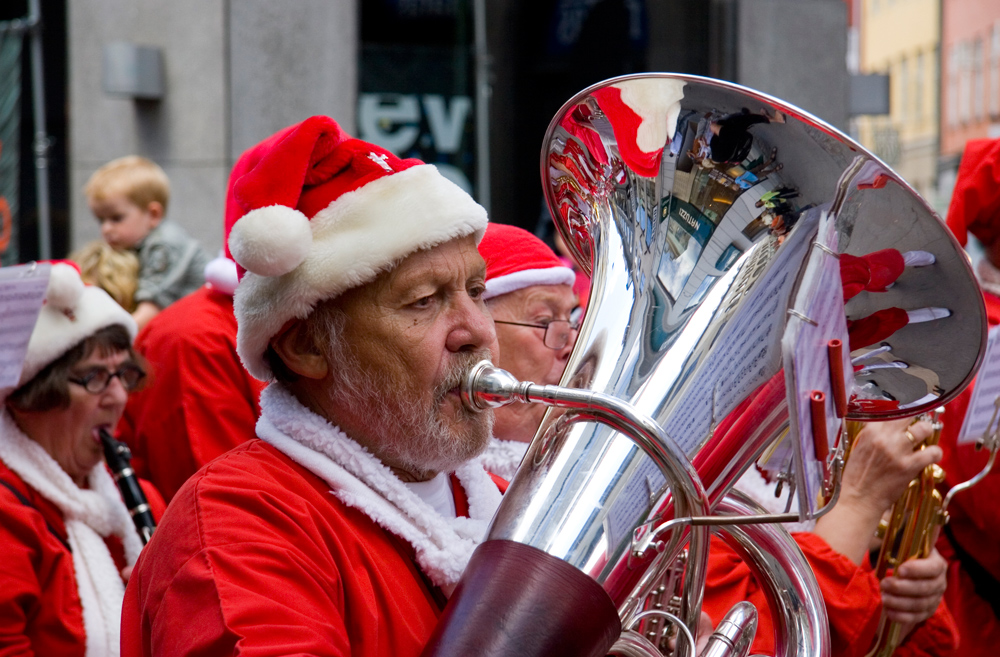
54 58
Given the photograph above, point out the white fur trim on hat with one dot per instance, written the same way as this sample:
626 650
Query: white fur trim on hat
271 241
359 235
61 325
519 280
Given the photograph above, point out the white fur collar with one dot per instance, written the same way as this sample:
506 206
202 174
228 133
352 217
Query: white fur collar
443 546
89 515
503 456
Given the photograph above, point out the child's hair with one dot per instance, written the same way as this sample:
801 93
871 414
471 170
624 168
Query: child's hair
138 179
115 272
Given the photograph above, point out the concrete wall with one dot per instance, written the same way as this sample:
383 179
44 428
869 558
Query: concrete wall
796 50
234 73
289 65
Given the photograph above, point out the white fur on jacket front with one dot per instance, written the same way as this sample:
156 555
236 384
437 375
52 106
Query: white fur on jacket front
357 478
359 235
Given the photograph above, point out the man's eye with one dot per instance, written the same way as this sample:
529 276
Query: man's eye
477 291
423 302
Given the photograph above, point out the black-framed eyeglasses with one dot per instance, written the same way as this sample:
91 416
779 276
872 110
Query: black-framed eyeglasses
98 379
557 332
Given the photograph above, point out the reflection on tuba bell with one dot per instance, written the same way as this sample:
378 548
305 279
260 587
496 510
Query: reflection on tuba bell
678 380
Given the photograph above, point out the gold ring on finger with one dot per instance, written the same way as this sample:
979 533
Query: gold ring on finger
913 439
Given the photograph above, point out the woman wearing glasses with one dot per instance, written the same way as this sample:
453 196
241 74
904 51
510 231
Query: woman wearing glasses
67 541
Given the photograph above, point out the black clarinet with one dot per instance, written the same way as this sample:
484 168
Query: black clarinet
119 459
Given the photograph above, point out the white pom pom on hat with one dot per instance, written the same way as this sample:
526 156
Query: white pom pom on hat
271 241
65 287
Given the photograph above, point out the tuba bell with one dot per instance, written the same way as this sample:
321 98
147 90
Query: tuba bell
679 380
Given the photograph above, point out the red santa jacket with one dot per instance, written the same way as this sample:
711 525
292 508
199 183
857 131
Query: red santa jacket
972 537
851 594
40 610
200 401
255 556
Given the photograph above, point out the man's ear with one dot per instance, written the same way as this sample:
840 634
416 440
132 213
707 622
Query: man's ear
297 349
155 212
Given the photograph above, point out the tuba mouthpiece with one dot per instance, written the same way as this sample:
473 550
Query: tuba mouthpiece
487 386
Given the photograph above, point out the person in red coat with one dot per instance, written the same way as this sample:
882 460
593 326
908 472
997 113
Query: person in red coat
343 526
881 464
971 538
67 541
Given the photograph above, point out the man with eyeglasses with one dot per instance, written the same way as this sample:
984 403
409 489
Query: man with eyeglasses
529 292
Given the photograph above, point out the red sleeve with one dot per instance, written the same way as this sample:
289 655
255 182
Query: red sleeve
854 606
850 592
37 587
20 589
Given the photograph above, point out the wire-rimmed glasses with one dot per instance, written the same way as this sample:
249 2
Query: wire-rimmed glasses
557 332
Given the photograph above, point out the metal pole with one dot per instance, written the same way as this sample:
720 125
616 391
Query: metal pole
41 144
483 93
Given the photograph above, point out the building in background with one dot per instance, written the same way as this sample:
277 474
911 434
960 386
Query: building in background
970 80
900 38
441 79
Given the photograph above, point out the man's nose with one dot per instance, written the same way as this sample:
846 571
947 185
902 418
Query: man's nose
473 328
563 354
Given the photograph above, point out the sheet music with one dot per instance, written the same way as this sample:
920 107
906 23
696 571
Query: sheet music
807 366
22 290
984 393
746 353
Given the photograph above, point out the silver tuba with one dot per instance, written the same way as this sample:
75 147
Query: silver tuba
699 244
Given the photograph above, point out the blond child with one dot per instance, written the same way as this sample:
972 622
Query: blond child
128 197
116 272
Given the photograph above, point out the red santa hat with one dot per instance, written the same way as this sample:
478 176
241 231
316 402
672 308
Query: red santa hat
71 313
322 213
516 259
975 202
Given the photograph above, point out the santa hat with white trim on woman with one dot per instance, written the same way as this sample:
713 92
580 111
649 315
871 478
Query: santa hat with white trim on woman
323 213
516 259
71 313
